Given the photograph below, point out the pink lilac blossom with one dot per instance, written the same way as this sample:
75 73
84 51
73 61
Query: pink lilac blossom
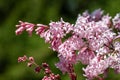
85 56
64 65
114 61
94 41
117 46
96 66
116 21
67 48
96 33
96 15
55 33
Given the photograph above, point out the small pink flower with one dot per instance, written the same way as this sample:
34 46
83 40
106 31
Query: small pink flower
116 21
96 15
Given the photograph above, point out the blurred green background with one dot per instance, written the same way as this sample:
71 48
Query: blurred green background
40 11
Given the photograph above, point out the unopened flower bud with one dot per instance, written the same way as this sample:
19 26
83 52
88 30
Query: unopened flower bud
22 59
47 71
29 64
31 58
45 65
37 69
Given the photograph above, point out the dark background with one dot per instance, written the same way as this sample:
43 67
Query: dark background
40 11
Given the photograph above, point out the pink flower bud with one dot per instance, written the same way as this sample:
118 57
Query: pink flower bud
37 69
22 59
31 58
29 64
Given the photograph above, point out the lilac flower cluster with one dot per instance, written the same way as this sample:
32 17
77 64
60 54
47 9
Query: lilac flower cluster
94 41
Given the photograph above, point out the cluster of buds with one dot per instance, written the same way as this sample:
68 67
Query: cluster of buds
49 75
94 41
30 60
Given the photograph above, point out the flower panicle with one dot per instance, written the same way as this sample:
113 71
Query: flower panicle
94 40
